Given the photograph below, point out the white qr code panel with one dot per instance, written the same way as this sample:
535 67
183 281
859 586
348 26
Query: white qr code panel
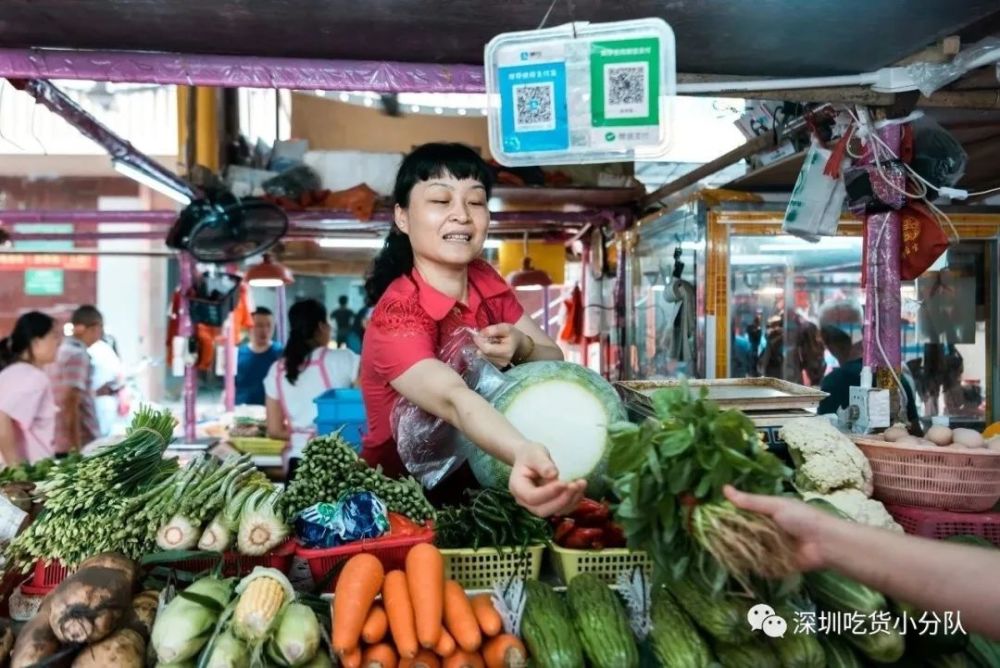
533 109
626 88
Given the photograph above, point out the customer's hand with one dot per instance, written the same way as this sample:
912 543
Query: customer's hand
807 525
500 343
535 485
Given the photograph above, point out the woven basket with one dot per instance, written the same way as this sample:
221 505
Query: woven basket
957 479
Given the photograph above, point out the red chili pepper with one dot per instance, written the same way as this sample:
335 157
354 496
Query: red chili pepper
592 513
614 536
400 525
564 529
583 538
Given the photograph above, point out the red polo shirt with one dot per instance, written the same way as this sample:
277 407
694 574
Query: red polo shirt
410 323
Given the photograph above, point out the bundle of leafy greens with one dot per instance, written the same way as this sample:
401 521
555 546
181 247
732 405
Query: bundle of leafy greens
668 474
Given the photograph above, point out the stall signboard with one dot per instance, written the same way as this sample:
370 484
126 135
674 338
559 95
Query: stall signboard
43 282
581 93
44 254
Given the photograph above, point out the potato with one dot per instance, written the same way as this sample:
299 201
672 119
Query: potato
36 643
90 604
125 648
145 605
893 434
940 435
114 561
968 438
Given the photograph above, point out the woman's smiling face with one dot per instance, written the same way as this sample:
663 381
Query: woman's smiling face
446 220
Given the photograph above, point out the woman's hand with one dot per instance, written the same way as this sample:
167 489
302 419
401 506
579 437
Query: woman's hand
535 485
807 525
501 344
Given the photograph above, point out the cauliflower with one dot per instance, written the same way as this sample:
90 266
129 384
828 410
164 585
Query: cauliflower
825 459
858 507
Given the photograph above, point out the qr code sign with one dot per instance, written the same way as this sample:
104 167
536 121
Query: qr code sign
533 107
626 90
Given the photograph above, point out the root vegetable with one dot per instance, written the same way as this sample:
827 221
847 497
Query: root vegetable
424 659
486 614
967 438
37 643
893 434
90 604
397 599
376 625
505 651
940 435
145 606
425 577
460 618
379 656
351 659
359 583
125 649
463 659
446 645
114 561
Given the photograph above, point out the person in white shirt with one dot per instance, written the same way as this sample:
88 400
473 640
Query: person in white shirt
109 375
307 369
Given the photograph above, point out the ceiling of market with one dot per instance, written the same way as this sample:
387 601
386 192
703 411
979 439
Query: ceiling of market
764 37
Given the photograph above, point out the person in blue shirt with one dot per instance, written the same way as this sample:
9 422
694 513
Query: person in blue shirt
255 357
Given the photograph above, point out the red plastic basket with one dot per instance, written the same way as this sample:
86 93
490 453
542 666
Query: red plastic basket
934 523
390 550
235 564
46 577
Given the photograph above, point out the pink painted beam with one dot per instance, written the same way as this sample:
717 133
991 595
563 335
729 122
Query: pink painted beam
241 71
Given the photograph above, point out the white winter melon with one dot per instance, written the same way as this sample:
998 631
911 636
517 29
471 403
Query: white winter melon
565 407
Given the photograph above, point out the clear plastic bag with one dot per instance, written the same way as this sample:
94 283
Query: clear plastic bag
929 77
430 448
937 156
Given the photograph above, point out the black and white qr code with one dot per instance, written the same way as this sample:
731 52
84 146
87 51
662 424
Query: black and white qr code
627 85
534 107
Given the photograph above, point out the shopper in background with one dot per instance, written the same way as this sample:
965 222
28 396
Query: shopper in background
428 283
72 378
27 405
932 575
109 373
255 358
840 325
356 337
307 369
344 317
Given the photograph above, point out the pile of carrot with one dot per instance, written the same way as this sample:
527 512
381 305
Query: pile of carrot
421 621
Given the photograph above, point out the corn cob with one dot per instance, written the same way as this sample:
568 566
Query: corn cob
263 594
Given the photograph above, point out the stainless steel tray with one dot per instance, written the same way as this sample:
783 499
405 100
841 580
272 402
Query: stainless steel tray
748 394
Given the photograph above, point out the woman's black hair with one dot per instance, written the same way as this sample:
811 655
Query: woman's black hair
30 326
304 318
425 162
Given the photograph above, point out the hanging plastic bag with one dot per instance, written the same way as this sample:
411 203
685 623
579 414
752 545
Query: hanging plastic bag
814 207
922 239
937 156
430 448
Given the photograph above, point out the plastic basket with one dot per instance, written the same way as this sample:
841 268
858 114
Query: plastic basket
482 568
258 446
46 576
340 406
934 523
235 564
391 551
960 480
607 564
213 312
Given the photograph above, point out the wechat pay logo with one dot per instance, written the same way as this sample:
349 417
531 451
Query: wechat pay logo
763 618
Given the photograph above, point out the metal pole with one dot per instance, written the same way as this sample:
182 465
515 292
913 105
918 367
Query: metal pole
186 329
282 314
229 331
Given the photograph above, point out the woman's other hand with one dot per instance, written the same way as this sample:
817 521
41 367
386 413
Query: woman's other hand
807 525
535 485
500 344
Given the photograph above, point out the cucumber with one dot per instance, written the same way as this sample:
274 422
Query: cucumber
839 653
984 653
879 647
548 630
799 650
675 640
955 660
723 618
754 654
835 592
925 645
601 624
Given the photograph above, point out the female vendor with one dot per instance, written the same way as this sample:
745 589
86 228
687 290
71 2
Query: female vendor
427 282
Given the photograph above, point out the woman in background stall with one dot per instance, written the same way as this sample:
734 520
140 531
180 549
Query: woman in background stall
308 368
27 404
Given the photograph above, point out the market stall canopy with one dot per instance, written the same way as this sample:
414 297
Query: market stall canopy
768 38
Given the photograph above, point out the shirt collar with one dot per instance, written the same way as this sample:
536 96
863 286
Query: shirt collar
484 283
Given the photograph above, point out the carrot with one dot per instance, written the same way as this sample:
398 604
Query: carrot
351 659
399 609
486 614
379 656
425 576
376 625
424 659
463 659
505 651
446 645
460 619
359 584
